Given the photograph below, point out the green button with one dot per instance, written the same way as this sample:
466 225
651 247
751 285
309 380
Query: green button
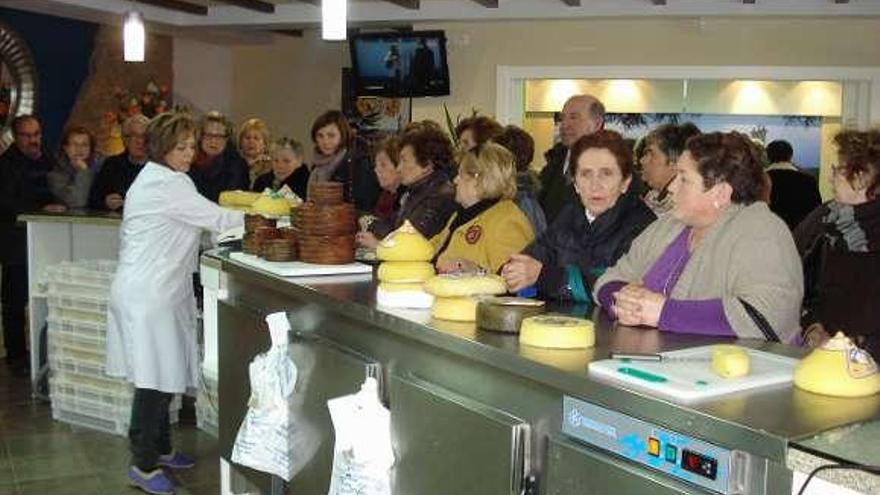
671 453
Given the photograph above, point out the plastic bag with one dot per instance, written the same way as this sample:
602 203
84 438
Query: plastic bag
362 455
265 438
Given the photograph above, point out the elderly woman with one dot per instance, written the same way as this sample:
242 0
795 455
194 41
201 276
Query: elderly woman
662 147
334 160
253 144
71 178
218 166
839 243
721 263
151 320
474 131
386 156
429 197
488 227
586 238
521 144
288 169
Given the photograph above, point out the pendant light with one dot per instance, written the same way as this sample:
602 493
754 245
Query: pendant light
334 17
133 37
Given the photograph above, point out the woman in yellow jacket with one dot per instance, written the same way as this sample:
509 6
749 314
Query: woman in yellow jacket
488 226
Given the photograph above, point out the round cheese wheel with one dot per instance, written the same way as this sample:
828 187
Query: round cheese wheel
403 296
505 314
557 332
405 271
838 368
271 206
454 309
405 244
461 285
237 198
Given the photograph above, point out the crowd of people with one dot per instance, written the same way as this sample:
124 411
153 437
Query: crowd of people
690 232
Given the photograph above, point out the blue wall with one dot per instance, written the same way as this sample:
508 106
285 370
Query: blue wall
62 51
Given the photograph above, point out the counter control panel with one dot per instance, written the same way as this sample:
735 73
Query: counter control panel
681 456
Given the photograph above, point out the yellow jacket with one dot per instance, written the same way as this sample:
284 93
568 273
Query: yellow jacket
489 238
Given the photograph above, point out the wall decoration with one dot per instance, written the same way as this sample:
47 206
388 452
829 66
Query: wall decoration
372 117
18 82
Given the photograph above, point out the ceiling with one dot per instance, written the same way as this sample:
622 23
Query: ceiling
291 15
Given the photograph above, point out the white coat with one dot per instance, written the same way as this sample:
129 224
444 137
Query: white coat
151 319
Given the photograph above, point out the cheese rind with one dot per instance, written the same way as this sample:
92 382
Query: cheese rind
405 244
454 308
405 271
505 314
730 361
448 285
557 332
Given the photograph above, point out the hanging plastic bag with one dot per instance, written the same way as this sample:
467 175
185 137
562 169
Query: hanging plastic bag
362 455
265 438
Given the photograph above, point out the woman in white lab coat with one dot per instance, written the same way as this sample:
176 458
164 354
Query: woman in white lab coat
151 322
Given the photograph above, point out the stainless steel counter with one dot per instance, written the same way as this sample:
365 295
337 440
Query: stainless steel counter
496 370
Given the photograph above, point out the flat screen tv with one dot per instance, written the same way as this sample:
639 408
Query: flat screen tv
400 65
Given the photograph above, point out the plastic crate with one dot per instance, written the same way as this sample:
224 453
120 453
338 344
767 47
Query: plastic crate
74 290
76 342
116 386
113 397
91 329
95 273
79 414
206 417
76 362
79 303
77 315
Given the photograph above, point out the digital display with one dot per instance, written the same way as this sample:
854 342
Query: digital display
699 464
400 65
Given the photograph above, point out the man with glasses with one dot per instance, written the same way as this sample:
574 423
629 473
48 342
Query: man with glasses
118 172
218 166
23 188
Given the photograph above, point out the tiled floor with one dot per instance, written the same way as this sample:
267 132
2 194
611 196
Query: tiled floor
42 456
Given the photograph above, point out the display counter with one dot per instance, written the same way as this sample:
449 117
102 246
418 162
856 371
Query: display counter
56 237
473 412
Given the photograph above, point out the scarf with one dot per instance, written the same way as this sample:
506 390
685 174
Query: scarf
323 166
858 225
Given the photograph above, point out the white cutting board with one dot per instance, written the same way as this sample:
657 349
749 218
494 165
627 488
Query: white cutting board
298 268
691 378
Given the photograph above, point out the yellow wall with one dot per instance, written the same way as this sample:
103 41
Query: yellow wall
292 80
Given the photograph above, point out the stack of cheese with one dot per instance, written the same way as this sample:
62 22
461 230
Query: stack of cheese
456 295
406 265
326 226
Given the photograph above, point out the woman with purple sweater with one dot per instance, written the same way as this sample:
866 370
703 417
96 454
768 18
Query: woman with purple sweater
721 264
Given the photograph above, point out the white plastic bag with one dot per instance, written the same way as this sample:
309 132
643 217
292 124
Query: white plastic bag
362 455
265 438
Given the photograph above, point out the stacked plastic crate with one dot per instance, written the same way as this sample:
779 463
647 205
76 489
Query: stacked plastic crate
207 419
81 393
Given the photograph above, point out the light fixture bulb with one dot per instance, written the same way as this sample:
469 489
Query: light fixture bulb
133 37
334 19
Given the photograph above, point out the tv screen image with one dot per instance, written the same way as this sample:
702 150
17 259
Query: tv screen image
400 64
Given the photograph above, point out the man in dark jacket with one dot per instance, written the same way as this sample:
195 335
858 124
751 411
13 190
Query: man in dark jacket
218 166
581 115
793 194
118 172
23 188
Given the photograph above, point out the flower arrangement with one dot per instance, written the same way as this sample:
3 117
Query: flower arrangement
151 102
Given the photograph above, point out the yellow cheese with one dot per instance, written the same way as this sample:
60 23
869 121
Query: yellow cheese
405 244
237 198
505 314
271 206
461 285
401 287
557 332
454 308
839 369
405 271
730 361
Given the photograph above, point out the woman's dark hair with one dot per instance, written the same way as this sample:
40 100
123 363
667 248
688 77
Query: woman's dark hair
607 140
860 154
729 157
77 130
431 146
390 145
483 128
671 138
520 143
337 118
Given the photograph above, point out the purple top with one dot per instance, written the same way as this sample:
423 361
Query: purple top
704 316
